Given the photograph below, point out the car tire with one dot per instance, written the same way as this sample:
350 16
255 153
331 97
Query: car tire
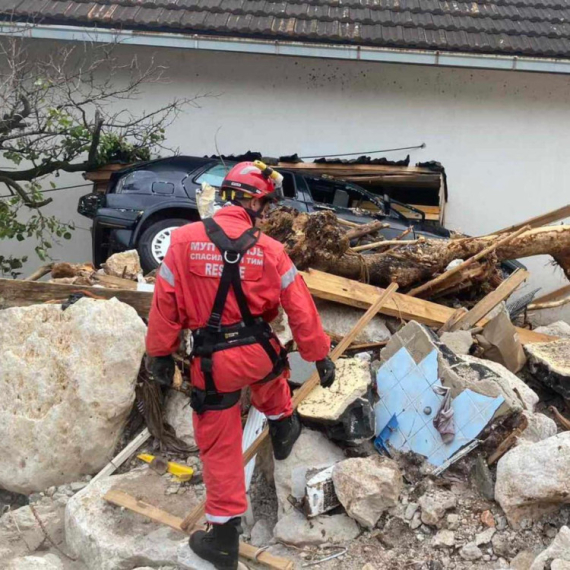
155 240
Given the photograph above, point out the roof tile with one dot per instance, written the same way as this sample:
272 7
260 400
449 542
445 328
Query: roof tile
540 28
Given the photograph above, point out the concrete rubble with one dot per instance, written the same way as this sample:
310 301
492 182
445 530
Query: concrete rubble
546 464
549 362
67 385
367 487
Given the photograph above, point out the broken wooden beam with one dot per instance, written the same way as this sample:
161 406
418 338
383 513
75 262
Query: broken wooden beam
490 301
542 220
124 500
355 294
553 295
19 293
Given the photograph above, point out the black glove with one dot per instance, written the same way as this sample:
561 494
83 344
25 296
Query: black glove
326 370
161 368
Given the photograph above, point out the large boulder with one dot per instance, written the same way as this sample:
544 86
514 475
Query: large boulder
67 384
549 362
311 452
539 427
126 264
559 328
546 464
106 537
367 487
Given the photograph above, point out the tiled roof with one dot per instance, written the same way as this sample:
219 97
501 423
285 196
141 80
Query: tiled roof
539 28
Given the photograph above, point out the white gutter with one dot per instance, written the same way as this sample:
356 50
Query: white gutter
286 48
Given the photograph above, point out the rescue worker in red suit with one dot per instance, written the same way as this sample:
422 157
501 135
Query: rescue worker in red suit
224 280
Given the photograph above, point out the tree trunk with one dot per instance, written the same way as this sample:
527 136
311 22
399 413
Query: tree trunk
320 242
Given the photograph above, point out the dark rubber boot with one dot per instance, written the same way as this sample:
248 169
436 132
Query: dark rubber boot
284 433
219 545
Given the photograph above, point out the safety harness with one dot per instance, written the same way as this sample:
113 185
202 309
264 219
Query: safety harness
250 330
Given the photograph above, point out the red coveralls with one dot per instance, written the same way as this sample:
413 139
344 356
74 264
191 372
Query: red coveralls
183 297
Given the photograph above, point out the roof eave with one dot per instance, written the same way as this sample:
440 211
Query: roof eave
287 48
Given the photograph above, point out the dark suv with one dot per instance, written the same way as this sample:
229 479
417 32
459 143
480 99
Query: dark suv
145 202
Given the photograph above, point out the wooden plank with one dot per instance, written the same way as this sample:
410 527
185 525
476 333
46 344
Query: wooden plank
348 292
412 179
376 304
387 242
461 267
39 272
553 295
18 293
122 499
452 320
551 305
490 301
353 168
542 220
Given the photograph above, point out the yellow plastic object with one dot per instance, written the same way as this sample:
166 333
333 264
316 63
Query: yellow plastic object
182 473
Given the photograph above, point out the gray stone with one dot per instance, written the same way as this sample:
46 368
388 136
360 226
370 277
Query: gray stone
559 328
470 551
340 320
459 342
77 486
179 415
482 478
559 564
416 521
410 511
484 537
546 464
434 505
298 531
452 521
311 451
559 549
75 373
523 560
261 533
540 427
33 562
503 545
549 362
301 370
108 538
444 538
367 487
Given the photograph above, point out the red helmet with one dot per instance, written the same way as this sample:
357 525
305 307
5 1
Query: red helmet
248 180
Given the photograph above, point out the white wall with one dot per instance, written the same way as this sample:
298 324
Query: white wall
502 137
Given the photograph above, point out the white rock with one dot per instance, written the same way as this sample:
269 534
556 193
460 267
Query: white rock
296 530
559 564
352 380
367 487
546 464
311 451
281 327
523 560
47 562
540 427
126 264
459 341
261 533
559 549
340 320
67 384
484 537
470 551
178 414
559 328
20 529
452 521
444 538
108 538
410 511
434 505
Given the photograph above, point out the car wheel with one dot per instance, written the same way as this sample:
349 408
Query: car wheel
155 241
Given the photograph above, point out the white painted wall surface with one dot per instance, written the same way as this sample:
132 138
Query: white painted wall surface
502 137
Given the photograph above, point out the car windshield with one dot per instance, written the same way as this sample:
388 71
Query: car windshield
214 175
